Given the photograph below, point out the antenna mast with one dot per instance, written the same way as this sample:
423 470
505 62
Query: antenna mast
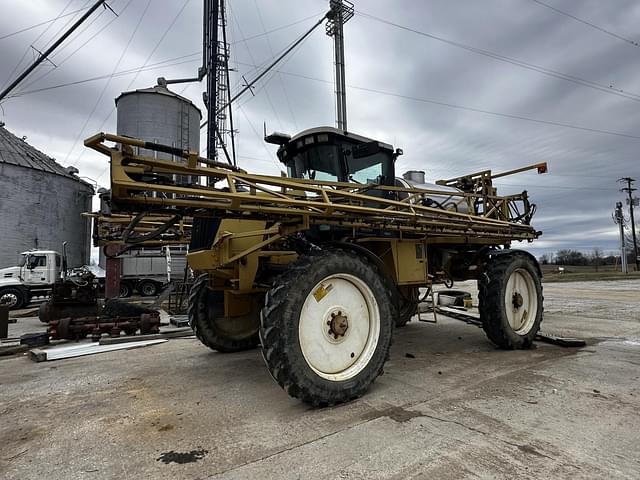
341 12
216 98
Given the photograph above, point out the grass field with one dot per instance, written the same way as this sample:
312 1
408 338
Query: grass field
579 273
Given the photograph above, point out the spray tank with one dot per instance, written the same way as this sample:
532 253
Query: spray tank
416 179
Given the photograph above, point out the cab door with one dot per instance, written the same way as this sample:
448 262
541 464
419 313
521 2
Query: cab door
36 273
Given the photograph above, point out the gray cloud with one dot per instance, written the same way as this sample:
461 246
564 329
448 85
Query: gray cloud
575 199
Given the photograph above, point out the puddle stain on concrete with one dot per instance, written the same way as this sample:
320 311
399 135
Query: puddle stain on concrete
182 457
397 414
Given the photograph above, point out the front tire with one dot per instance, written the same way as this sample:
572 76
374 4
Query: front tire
510 300
215 330
14 298
326 327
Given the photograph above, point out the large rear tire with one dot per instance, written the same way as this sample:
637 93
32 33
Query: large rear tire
326 327
214 329
510 300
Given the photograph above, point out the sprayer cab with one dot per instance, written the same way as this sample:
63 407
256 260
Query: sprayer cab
330 154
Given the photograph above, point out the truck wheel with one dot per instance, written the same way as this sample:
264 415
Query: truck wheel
125 289
148 288
12 297
510 300
326 327
214 329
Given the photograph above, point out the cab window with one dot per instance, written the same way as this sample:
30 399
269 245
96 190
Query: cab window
38 261
374 168
321 162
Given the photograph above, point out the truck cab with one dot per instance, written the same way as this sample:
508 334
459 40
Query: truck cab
36 272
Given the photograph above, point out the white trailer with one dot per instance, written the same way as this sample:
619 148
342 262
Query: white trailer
149 270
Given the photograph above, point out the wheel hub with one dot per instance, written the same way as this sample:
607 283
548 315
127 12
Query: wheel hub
8 299
338 324
517 300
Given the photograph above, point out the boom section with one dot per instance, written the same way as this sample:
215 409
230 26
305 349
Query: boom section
142 184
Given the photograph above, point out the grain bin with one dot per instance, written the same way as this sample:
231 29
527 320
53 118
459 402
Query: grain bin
159 115
41 203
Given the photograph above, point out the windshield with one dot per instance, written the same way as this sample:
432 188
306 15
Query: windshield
342 162
318 163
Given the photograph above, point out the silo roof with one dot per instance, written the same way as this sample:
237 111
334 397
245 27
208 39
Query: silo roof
15 151
159 89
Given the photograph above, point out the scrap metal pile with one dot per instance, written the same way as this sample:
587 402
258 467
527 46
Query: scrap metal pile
115 317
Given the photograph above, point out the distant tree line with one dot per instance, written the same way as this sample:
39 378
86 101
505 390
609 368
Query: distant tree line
595 258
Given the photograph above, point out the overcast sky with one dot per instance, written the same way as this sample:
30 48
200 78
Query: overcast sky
398 81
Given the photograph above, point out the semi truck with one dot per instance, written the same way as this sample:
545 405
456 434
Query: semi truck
145 271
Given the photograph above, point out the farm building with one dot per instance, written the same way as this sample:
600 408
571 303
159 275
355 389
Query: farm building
41 203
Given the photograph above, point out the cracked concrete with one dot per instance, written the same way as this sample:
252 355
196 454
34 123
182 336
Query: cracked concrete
455 408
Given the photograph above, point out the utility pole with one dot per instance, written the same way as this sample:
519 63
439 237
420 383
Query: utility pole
341 12
629 189
618 218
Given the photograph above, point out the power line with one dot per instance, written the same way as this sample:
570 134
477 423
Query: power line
64 27
63 47
276 29
273 109
284 90
592 25
610 89
108 82
15 69
26 29
153 66
175 19
471 109
45 55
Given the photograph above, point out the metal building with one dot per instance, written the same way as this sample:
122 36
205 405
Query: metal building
41 203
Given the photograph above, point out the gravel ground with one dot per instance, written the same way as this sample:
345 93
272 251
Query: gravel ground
449 406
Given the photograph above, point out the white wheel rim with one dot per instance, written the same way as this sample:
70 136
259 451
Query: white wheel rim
342 358
521 301
148 289
9 299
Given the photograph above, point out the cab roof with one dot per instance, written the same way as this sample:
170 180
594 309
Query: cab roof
342 133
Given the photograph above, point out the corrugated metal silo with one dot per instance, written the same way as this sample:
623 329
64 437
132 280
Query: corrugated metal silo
41 204
159 115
